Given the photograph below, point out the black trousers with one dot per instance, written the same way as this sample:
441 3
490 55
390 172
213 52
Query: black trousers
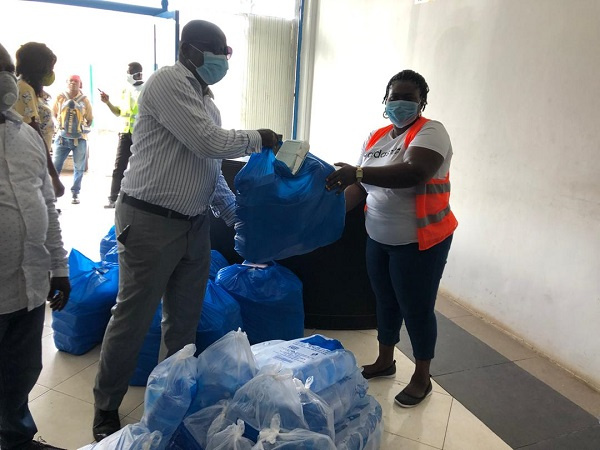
20 367
121 161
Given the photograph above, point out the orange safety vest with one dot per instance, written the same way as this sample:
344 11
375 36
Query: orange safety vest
435 220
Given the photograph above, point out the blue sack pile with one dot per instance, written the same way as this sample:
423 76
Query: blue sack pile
251 398
282 215
270 298
148 356
109 247
80 326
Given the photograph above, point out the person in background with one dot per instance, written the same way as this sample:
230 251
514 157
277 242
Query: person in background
128 109
174 178
73 111
403 172
35 69
33 264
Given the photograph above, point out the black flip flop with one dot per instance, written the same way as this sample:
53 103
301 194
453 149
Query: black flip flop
408 401
390 372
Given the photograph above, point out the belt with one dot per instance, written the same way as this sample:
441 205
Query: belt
155 209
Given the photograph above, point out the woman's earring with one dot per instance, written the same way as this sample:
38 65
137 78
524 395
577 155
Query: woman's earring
385 115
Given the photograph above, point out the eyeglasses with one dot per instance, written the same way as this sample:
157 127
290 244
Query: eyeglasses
227 51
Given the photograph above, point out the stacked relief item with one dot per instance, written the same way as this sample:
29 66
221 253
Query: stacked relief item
282 214
238 407
148 356
270 298
220 314
109 247
217 262
336 379
80 326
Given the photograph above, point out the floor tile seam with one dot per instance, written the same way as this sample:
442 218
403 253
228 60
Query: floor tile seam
413 440
448 421
468 369
69 395
74 375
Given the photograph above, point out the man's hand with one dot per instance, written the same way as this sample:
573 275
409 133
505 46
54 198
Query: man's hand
270 139
60 290
104 96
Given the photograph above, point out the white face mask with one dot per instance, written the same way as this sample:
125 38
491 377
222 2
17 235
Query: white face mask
8 90
131 80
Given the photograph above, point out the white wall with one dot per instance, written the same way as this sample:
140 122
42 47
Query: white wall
517 85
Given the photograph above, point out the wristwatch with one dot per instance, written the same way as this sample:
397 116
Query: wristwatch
359 174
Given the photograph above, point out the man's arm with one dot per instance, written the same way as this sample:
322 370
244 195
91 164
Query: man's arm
106 99
175 104
60 287
223 204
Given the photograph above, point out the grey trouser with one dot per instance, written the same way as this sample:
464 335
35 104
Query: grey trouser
158 257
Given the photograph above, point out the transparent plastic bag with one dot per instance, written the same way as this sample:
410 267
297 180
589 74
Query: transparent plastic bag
344 394
317 413
222 368
196 429
130 437
273 438
272 391
231 438
323 358
362 428
170 390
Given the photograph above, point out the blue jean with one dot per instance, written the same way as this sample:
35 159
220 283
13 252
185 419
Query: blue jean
405 281
20 367
62 148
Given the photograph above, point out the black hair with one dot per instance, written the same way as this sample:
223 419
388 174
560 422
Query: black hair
136 66
34 62
410 75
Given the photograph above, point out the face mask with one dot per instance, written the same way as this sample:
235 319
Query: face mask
214 68
132 80
48 79
8 90
402 112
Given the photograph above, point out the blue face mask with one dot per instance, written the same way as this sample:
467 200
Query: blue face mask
214 68
402 112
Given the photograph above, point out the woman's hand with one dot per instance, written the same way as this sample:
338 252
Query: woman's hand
341 178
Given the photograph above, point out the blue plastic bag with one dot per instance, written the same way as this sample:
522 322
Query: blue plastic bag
270 298
217 262
222 368
282 215
148 356
170 391
220 315
108 243
80 326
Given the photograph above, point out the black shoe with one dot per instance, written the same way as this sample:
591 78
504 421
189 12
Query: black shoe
110 204
41 444
105 423
75 200
390 372
408 401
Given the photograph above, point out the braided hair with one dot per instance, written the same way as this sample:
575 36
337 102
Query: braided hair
410 75
34 62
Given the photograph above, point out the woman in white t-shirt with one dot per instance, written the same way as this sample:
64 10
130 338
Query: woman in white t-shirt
402 173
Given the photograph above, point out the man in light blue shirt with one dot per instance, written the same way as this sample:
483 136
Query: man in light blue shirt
174 178
33 263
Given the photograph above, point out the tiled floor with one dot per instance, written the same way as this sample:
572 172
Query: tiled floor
61 402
